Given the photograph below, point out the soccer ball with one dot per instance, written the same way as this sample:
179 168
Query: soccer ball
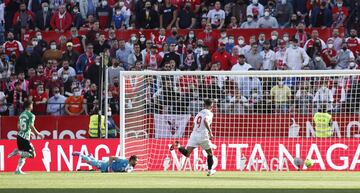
308 163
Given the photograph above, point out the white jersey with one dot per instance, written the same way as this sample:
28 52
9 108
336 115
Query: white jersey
200 135
199 121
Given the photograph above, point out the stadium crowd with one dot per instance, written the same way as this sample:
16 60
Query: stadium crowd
62 76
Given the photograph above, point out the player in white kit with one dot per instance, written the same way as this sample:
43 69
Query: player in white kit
201 135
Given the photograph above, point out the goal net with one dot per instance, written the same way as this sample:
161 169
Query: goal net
263 121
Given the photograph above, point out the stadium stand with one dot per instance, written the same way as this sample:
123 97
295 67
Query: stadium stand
51 49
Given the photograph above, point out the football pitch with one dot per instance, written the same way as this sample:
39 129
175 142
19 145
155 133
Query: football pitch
294 182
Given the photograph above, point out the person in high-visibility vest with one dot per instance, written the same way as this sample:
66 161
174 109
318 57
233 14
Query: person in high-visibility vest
323 123
93 126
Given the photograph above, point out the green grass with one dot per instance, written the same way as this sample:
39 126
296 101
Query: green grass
182 181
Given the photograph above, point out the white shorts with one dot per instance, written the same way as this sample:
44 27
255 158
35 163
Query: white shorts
195 140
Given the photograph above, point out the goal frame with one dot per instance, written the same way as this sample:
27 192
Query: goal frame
274 74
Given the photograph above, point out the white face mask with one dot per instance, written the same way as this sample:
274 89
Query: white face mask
54 77
330 45
249 19
118 12
53 47
241 42
39 37
34 43
57 95
133 38
109 114
205 52
223 35
121 4
273 37
65 76
104 3
283 2
191 35
286 38
142 39
41 91
339 4
231 41
266 14
255 1
318 58
78 93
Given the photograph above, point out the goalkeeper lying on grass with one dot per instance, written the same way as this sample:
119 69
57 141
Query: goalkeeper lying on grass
115 164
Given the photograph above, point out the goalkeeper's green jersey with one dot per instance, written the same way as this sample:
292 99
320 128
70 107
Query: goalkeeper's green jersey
26 119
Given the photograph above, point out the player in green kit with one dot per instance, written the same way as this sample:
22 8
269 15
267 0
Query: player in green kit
26 128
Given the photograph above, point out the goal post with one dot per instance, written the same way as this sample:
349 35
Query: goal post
263 120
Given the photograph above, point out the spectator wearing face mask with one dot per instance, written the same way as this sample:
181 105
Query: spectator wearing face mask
339 14
75 104
118 19
43 18
323 96
295 57
148 18
56 103
186 18
39 97
27 59
344 57
93 72
268 21
249 23
53 53
204 59
230 44
70 71
104 14
329 55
